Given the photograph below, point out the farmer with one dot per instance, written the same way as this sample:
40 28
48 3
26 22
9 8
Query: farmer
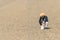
43 21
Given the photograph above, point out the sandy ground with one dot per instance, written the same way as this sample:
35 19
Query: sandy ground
19 19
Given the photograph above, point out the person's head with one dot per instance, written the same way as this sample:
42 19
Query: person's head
42 14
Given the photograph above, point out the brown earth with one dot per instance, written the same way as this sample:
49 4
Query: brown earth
19 19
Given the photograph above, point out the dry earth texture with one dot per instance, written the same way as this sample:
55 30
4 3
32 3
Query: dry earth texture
19 19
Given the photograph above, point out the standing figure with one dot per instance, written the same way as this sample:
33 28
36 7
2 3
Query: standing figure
43 21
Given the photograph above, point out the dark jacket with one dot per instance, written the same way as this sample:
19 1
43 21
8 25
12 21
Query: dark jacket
45 19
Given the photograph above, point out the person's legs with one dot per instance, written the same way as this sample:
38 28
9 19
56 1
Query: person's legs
46 24
42 26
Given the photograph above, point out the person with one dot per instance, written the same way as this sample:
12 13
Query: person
43 21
